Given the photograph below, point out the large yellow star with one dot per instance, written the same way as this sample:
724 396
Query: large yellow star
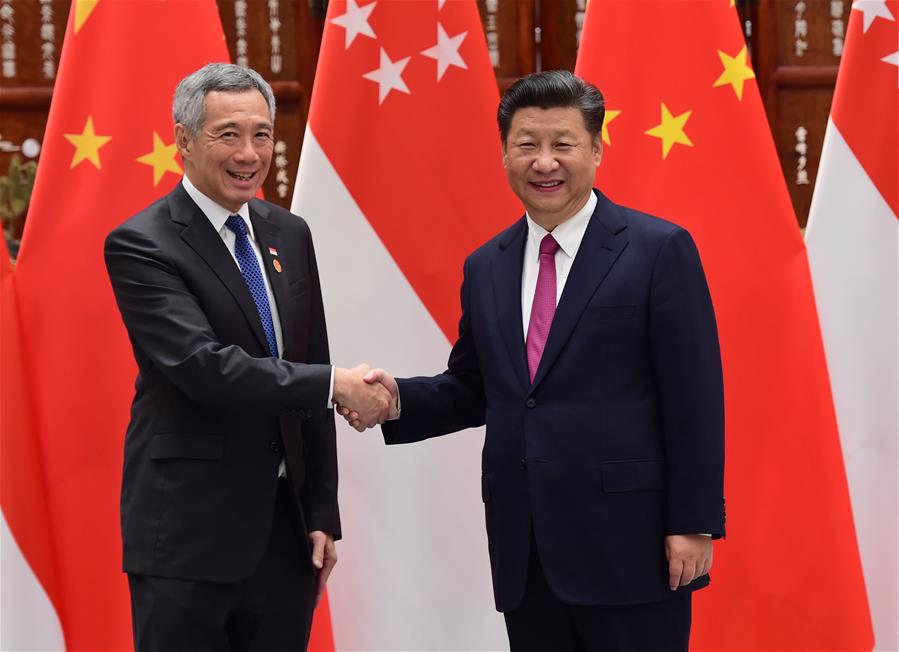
83 9
610 115
736 71
162 159
671 130
87 144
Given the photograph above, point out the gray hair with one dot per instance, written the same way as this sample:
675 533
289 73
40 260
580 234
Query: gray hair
548 90
189 106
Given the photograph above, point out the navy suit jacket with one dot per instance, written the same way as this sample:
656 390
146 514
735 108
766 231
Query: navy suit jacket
619 441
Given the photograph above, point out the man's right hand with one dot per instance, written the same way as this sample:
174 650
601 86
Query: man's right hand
370 402
376 378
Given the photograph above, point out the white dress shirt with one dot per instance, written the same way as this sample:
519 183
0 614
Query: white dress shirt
569 235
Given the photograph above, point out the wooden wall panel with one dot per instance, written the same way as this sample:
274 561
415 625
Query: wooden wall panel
799 135
560 31
509 30
798 43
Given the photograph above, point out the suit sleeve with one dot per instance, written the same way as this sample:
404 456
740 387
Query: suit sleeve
319 435
687 366
168 326
448 402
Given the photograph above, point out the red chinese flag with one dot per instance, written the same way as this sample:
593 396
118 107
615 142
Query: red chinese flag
400 179
687 139
108 153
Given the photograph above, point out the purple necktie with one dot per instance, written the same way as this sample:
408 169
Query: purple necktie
544 306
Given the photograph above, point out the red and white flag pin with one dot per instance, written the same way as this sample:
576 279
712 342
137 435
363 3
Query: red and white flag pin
273 251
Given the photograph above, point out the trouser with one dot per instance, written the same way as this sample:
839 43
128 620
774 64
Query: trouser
270 610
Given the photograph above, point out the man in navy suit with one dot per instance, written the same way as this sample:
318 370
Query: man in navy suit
588 346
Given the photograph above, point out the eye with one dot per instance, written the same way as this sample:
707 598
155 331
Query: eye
564 146
228 135
263 135
526 145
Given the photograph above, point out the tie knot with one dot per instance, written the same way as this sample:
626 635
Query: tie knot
236 224
548 245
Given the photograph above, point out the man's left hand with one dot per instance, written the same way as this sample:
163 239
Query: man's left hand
324 556
689 556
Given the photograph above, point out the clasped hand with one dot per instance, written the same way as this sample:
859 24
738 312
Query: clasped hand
365 397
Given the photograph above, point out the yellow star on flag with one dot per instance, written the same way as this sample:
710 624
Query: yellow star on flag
610 115
671 130
87 144
83 9
161 159
736 71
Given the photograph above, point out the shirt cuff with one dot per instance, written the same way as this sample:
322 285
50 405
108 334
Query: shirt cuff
331 390
399 407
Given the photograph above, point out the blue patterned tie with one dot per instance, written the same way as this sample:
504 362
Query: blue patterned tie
249 267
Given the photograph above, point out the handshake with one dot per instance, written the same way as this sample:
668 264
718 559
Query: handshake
365 397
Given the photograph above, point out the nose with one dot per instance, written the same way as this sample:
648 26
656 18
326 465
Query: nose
545 162
246 151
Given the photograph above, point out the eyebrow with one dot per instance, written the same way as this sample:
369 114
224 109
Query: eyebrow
234 125
556 134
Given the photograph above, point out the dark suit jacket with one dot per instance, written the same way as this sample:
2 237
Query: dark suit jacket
620 439
212 410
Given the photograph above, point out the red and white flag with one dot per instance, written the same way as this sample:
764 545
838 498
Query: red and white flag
29 588
400 178
852 240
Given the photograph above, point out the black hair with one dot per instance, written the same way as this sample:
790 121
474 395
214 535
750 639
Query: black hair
548 90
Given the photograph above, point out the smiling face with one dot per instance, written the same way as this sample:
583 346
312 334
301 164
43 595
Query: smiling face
228 158
551 160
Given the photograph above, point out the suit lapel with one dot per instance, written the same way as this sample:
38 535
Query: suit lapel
199 234
603 242
506 269
268 235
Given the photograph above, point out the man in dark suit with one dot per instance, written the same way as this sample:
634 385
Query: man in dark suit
588 345
229 488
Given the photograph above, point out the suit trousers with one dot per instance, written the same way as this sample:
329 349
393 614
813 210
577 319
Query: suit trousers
542 623
269 611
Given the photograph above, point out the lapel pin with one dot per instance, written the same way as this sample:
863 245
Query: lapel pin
277 265
273 251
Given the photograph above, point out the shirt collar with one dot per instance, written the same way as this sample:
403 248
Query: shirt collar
569 233
216 213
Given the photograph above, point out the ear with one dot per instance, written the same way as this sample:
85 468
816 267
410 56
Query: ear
183 140
597 149
505 156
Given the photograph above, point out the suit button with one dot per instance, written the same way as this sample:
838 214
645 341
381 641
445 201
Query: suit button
524 464
273 445
531 402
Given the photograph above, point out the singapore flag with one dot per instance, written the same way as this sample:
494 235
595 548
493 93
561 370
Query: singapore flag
853 239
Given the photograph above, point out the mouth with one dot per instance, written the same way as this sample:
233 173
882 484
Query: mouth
243 176
546 186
